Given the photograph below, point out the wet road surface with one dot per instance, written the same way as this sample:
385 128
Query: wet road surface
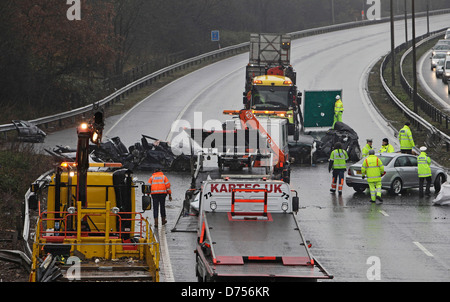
406 237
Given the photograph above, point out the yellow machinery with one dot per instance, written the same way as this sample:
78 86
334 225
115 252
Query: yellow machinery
90 230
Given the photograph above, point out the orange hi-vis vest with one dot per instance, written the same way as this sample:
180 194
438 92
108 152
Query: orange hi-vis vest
159 184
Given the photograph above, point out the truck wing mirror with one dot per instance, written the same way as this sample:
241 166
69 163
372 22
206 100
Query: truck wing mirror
295 203
146 203
34 187
146 189
33 201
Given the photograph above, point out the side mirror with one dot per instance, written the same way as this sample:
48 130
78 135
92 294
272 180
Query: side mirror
33 201
146 203
146 189
34 187
295 203
299 98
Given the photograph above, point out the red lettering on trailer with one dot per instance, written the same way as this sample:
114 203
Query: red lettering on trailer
227 188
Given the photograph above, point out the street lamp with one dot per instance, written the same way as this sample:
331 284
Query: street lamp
414 56
392 44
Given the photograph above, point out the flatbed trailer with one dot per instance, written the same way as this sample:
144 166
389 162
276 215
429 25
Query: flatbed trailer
245 243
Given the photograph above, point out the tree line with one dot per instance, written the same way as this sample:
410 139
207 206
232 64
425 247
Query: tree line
51 64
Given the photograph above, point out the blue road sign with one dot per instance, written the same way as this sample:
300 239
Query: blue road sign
215 35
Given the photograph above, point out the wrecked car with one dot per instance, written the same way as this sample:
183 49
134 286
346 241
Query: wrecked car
28 132
143 155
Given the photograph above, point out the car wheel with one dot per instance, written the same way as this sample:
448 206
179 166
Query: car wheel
396 186
440 179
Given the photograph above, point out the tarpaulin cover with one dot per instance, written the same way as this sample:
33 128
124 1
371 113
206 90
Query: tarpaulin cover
443 197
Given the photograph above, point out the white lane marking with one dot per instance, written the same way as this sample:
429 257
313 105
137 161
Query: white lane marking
420 246
373 111
384 213
167 265
150 96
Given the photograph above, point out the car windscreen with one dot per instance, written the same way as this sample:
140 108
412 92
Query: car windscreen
439 55
447 65
441 47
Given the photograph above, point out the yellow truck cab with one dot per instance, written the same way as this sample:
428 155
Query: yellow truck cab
273 95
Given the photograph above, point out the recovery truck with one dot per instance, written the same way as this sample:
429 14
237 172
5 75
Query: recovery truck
89 229
248 147
249 142
271 90
270 80
248 231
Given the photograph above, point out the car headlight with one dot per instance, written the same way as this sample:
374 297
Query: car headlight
284 206
213 205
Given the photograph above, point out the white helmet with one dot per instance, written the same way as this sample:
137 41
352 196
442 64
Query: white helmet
423 148
338 97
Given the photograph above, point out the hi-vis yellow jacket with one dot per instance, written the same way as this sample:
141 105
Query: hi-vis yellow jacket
372 167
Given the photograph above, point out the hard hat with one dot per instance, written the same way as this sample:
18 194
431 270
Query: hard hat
423 148
338 97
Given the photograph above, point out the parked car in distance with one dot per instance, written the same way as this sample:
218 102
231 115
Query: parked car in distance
400 174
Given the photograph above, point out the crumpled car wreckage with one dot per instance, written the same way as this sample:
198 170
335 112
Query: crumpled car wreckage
317 148
143 155
27 132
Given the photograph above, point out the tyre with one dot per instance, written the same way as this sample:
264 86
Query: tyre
396 186
440 179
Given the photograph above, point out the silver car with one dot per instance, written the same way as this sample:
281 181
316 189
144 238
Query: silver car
440 55
440 68
400 174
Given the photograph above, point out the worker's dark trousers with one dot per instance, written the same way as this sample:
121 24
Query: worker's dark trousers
338 177
159 202
421 180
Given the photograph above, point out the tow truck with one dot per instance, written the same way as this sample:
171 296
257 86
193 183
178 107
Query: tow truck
248 147
246 142
248 231
271 90
270 80
89 229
